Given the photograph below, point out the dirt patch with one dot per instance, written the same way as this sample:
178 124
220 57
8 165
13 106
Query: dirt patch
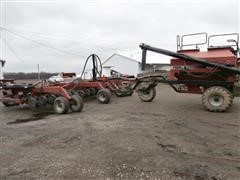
171 138
34 117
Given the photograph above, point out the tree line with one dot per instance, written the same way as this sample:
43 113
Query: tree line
31 76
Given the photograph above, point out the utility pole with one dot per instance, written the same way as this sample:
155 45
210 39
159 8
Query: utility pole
38 72
1 33
1 45
2 62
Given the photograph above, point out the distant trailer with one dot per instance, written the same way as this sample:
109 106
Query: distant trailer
68 75
3 81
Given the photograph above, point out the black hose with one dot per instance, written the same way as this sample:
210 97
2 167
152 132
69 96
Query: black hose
98 60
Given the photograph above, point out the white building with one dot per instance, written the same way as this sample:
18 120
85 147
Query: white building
106 71
123 64
126 66
1 68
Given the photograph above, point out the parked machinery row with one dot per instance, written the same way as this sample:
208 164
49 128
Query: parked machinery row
65 96
213 73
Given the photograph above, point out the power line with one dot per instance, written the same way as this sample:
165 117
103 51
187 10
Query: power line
56 37
15 53
67 39
82 44
78 37
89 39
42 44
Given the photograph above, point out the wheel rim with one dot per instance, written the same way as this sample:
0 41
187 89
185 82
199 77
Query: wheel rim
59 105
216 100
102 97
145 93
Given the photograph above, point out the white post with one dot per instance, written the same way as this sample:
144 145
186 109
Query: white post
1 41
1 71
38 72
1 33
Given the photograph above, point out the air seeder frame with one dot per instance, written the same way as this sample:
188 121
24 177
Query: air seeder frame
213 73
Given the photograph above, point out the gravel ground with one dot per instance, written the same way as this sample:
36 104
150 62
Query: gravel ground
172 137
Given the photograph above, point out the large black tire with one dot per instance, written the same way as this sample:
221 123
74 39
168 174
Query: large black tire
217 99
124 93
104 96
147 95
42 101
51 98
87 92
32 103
93 91
76 103
8 104
61 105
81 93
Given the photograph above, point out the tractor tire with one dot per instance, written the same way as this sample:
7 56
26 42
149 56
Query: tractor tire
87 92
32 103
217 99
61 105
43 101
9 104
93 91
119 94
104 96
124 93
81 93
76 103
147 95
51 98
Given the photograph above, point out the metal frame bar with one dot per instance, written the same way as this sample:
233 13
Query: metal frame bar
58 90
219 35
155 79
180 40
161 79
145 47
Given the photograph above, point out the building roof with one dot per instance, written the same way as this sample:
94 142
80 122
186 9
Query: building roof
115 54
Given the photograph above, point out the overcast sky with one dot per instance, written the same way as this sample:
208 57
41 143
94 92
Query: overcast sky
60 35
